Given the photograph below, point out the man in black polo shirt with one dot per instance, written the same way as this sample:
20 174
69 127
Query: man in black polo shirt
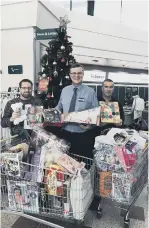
107 95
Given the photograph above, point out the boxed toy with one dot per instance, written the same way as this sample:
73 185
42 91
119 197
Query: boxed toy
52 117
34 116
88 117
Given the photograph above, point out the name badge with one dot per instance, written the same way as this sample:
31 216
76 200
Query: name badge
81 99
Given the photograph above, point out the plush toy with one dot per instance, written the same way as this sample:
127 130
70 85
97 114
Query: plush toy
17 107
52 156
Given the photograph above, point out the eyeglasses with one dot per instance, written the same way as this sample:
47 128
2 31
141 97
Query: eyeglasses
108 87
76 73
26 88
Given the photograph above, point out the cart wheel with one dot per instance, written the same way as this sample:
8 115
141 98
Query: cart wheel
126 223
99 213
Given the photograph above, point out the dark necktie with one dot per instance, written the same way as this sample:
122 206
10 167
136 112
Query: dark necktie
73 101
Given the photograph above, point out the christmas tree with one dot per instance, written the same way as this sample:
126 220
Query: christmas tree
55 66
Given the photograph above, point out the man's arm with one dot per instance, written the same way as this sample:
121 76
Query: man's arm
122 116
5 121
95 102
59 105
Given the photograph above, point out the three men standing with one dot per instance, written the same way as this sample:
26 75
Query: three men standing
76 97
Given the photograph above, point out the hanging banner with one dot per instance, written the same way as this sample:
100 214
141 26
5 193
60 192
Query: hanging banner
94 76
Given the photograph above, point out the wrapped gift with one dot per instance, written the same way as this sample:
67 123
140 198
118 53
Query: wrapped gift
105 158
110 112
52 117
40 137
88 117
70 164
105 185
54 179
126 158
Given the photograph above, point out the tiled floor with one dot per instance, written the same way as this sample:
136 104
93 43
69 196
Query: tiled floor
111 217
8 220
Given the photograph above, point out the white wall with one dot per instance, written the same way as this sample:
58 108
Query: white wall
96 38
115 42
122 77
134 13
16 49
45 18
19 14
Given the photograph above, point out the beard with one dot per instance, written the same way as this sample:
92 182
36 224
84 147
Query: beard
26 95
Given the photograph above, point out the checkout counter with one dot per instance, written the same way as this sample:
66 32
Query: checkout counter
129 116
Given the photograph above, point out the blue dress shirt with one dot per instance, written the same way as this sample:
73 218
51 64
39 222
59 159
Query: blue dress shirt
86 99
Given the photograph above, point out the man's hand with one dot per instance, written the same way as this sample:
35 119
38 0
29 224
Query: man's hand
119 124
85 127
62 118
15 115
98 121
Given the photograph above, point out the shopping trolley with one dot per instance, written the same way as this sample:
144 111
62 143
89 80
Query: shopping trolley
26 196
121 188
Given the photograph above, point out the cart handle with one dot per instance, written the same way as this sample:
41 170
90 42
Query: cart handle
12 137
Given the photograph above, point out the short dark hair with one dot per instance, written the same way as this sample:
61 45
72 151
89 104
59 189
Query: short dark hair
107 80
25 80
74 65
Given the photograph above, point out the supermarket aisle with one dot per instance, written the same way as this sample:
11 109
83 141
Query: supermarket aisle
111 217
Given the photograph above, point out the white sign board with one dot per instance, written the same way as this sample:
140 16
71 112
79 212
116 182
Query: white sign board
94 76
121 77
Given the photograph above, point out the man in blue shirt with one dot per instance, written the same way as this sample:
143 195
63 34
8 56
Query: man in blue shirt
78 97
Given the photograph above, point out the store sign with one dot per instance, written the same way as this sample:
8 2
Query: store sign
122 77
44 34
15 69
94 76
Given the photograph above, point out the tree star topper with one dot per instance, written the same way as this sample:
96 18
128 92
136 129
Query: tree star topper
64 21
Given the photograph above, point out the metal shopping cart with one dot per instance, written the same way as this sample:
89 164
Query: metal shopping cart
120 188
48 201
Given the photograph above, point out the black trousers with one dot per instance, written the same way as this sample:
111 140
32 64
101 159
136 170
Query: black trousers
81 143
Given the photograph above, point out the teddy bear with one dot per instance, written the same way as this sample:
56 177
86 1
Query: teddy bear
17 107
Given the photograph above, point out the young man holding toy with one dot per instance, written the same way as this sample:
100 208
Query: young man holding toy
12 114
